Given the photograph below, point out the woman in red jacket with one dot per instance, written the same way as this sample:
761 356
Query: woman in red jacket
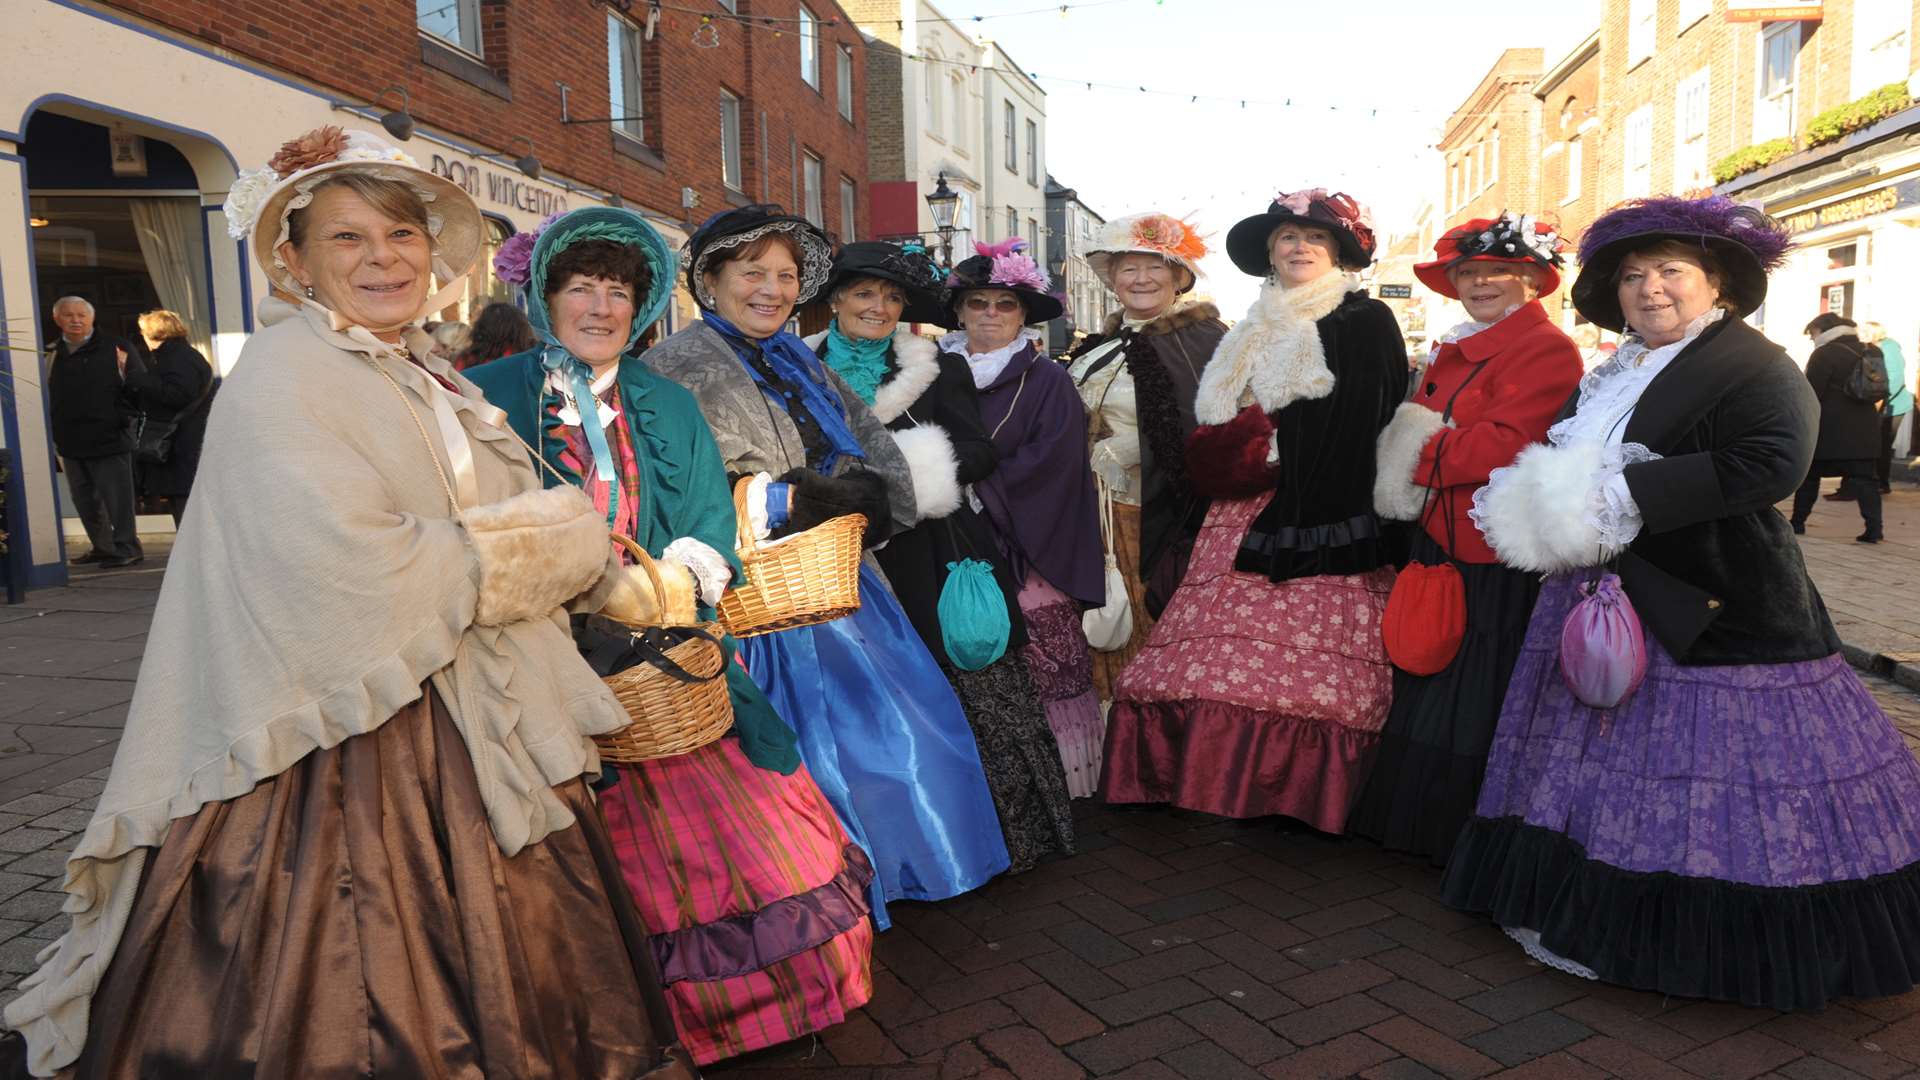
1493 386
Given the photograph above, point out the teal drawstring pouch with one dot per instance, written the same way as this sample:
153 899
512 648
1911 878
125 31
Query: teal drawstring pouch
974 625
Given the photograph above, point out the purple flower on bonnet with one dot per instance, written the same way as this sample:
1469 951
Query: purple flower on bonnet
1716 216
514 261
1012 266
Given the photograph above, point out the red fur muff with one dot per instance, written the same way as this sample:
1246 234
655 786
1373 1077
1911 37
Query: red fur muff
1229 461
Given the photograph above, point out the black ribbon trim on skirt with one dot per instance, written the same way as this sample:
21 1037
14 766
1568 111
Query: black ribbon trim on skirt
743 944
1774 947
1354 546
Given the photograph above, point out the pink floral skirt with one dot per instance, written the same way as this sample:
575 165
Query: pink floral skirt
1253 697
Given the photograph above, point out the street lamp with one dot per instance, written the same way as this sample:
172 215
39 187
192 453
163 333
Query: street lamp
942 201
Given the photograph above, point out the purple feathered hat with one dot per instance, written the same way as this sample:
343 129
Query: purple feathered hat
1748 243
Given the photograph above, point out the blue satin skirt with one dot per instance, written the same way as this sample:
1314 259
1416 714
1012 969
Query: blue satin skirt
883 735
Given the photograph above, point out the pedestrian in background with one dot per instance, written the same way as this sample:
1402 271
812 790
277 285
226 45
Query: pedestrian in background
175 388
501 330
1899 398
86 380
1849 442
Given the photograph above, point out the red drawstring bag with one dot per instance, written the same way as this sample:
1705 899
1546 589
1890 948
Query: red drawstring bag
1426 616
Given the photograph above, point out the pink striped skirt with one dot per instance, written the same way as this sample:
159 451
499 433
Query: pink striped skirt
755 897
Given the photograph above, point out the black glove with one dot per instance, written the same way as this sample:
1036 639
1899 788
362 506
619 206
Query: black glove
818 499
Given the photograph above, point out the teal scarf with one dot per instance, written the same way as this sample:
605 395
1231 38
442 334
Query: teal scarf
861 362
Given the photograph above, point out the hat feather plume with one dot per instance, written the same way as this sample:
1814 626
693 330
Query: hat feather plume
1716 216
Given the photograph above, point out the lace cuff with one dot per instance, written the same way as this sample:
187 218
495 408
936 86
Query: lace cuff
711 573
1611 509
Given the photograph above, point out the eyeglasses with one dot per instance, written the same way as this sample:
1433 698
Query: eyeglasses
1004 304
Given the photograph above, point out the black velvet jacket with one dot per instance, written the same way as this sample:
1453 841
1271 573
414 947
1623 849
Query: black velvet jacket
1715 572
1321 519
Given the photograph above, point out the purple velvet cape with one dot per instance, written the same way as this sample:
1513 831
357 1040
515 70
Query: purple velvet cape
1041 498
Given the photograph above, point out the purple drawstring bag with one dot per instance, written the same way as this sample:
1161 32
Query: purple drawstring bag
1603 652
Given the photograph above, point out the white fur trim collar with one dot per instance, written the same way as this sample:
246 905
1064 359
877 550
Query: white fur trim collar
1835 334
918 364
1274 352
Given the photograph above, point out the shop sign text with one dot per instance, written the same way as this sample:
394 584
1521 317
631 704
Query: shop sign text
1854 209
500 189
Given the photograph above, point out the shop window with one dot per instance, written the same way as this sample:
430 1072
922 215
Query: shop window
730 167
1779 57
848 210
809 48
456 22
811 174
843 79
1837 298
1843 256
623 77
483 285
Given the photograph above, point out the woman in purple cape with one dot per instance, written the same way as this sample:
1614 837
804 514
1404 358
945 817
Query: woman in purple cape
1745 825
1041 498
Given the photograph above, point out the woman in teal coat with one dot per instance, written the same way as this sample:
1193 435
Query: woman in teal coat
753 894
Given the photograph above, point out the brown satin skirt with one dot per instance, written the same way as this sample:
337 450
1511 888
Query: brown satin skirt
1126 553
354 917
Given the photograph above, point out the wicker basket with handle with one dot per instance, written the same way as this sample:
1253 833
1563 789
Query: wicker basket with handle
676 706
805 579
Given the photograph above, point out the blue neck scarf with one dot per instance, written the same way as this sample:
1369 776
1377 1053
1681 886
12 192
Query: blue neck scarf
791 360
555 357
862 362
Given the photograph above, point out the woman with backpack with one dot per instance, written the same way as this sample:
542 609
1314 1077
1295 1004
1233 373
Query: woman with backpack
1850 380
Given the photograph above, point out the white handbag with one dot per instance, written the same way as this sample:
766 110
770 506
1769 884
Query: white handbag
1110 626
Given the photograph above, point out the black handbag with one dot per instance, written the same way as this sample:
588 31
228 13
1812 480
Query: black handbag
153 439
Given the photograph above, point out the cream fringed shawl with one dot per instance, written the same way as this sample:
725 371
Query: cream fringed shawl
318 581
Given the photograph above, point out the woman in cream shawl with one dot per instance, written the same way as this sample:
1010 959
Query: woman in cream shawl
346 832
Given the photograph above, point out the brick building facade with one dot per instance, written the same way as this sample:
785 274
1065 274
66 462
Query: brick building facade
685 114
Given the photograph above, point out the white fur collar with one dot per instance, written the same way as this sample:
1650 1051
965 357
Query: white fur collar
918 361
1275 351
1834 334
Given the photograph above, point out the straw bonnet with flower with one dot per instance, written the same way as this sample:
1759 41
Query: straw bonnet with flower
1137 376
358 675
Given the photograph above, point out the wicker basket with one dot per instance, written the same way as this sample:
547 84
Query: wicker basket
805 579
669 716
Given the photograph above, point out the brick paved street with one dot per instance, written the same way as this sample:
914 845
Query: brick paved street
1172 945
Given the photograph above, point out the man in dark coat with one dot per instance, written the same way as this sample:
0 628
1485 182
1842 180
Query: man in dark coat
1849 440
86 376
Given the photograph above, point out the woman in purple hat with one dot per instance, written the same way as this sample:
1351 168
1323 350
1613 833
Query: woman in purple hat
1745 825
1263 686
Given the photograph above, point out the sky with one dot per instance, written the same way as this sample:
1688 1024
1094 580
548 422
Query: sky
1371 84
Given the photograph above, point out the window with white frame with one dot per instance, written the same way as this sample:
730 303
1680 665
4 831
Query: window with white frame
957 85
1013 224
730 167
1779 64
1642 16
1033 153
1493 158
456 22
1009 137
1880 34
963 220
1690 132
1637 153
847 211
623 76
811 172
1575 148
731 5
843 79
809 48
1692 11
